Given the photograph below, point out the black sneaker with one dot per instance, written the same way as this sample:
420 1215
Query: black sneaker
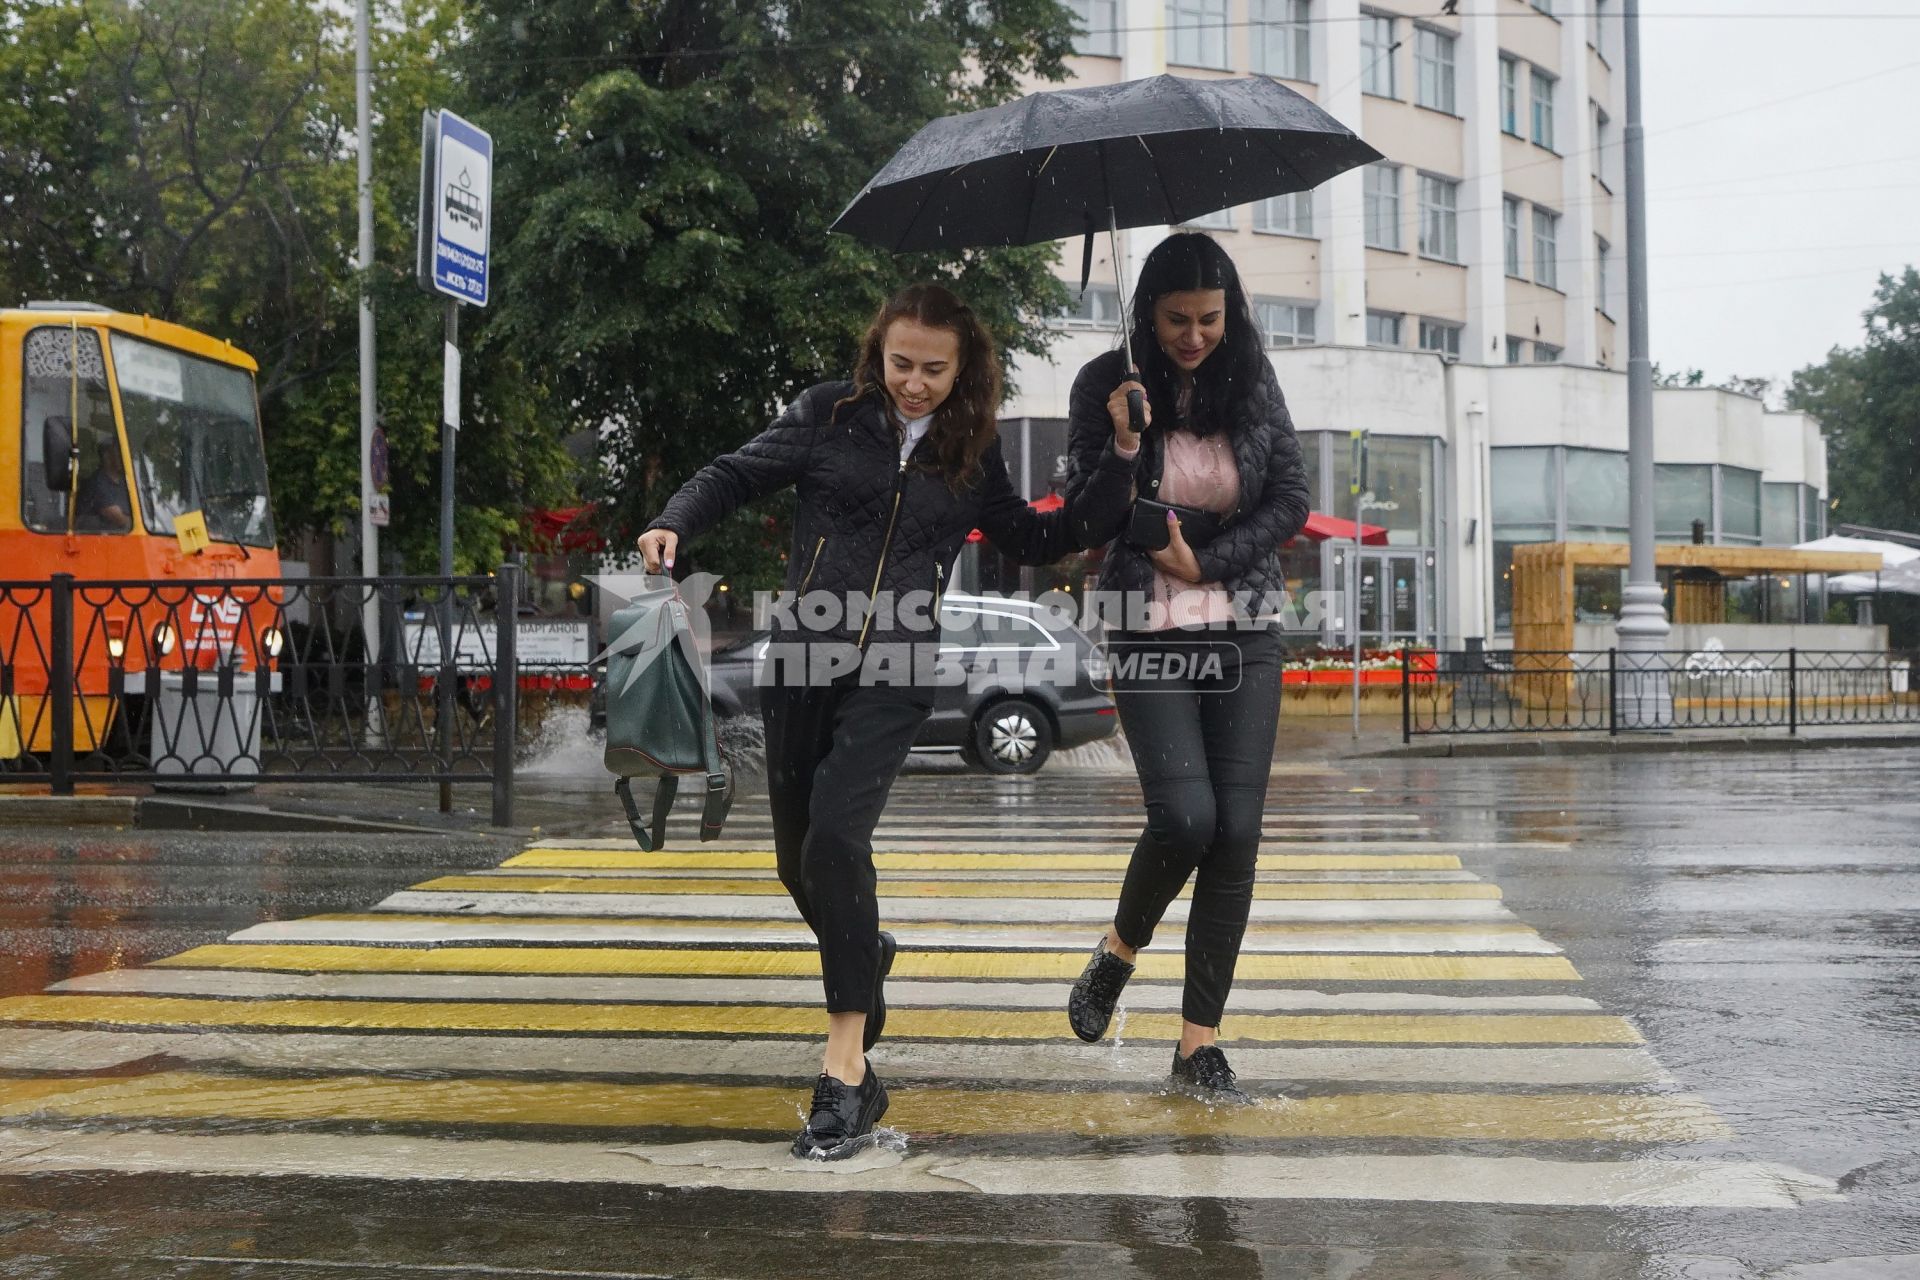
877 1017
843 1117
1207 1076
1090 1003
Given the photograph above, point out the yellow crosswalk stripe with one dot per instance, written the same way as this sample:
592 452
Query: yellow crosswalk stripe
185 1095
1317 891
773 923
560 859
1003 965
960 1024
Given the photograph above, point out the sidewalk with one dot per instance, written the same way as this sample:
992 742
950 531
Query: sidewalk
574 797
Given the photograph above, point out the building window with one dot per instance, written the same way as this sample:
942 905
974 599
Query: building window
1433 69
1290 214
1197 33
1218 220
1545 353
1383 329
1383 206
1546 248
1510 218
1544 6
1599 29
1099 23
1779 514
1682 493
1439 218
1524 497
1281 45
1739 505
1097 308
1376 55
1543 86
1509 95
1440 335
1600 251
1516 349
1284 324
1600 122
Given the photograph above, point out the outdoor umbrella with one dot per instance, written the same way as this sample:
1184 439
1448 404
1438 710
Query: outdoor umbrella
1071 162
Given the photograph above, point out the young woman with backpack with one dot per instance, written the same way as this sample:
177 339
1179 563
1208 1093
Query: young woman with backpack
891 471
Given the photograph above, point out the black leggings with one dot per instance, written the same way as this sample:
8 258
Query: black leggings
833 752
1201 728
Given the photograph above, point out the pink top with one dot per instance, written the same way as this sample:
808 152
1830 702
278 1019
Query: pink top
1196 471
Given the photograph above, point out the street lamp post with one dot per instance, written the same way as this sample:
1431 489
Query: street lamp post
1645 697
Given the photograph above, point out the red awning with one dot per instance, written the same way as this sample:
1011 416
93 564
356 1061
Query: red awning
564 529
1052 502
1322 528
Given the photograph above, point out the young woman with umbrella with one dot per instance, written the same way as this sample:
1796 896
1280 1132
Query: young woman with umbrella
1199 578
891 470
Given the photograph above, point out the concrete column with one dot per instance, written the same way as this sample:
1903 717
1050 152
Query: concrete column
1143 53
1482 226
1574 129
1343 254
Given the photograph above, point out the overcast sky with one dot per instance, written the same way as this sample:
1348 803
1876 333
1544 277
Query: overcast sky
1783 174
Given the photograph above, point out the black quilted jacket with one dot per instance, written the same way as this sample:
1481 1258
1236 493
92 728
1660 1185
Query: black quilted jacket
1273 506
848 531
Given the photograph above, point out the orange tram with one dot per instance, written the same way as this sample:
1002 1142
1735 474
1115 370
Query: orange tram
131 460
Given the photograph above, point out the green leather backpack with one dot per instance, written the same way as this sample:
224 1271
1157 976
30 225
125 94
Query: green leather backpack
659 718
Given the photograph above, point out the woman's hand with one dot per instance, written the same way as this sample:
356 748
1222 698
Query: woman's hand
1125 438
1176 558
656 549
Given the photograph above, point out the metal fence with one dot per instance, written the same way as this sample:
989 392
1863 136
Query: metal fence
216 682
1614 691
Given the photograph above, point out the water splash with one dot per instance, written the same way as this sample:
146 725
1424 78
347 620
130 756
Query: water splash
1119 1028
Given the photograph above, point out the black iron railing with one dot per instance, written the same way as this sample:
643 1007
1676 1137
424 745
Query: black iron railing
1616 691
232 680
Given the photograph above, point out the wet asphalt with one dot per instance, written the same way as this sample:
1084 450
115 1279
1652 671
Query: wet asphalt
1756 917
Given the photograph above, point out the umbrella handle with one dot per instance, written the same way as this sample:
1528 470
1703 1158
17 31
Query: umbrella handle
1136 411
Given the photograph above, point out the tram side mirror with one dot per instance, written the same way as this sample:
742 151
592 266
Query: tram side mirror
56 448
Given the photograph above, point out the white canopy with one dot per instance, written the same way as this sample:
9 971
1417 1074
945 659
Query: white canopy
1900 565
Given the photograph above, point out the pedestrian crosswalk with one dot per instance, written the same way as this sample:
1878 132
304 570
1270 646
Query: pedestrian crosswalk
590 1012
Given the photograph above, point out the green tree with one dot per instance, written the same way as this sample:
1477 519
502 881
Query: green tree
667 173
1867 399
193 160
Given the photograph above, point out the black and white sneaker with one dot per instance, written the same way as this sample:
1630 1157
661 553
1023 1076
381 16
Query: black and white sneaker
877 1017
1090 1003
1206 1076
843 1116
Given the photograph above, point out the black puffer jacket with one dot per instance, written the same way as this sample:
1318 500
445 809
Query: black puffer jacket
848 531
1273 506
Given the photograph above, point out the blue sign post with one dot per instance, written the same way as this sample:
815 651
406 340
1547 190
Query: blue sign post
461 192
454 233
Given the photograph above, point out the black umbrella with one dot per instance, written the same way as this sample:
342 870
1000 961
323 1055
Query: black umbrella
1075 161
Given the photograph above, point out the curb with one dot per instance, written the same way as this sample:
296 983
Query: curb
1636 744
164 813
69 811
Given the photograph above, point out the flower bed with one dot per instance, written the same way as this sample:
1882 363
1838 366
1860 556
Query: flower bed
1377 667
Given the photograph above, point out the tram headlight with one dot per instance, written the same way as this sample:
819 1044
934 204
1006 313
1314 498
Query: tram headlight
164 639
271 641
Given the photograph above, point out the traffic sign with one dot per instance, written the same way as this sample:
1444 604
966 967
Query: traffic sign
456 207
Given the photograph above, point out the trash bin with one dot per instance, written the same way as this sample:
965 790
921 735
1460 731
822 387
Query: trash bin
207 736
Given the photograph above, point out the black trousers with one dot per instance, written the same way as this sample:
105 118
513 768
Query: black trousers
1200 722
833 752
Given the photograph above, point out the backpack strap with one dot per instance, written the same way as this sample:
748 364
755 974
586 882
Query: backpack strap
719 797
654 837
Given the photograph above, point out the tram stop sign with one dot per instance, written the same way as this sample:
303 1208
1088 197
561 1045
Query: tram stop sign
456 207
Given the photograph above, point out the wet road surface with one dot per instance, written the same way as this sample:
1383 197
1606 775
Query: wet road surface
1646 1016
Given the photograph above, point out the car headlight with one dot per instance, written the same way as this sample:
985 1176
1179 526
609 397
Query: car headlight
271 641
164 639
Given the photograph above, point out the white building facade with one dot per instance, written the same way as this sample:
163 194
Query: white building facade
1457 302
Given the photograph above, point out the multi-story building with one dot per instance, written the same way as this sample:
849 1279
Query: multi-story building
1463 301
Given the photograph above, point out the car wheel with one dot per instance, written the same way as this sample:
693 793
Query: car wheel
1013 736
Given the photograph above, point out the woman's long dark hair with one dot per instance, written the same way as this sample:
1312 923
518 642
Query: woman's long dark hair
966 424
1193 260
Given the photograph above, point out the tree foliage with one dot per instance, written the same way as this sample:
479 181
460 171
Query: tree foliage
668 171
194 160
